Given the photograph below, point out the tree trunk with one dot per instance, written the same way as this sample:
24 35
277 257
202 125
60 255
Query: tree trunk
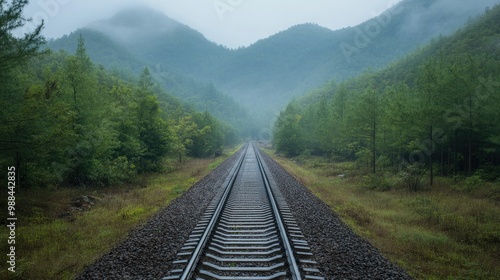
374 148
469 163
430 157
471 126
449 162
455 154
442 163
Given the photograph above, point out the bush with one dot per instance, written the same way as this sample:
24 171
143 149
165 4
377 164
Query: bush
376 182
383 162
364 158
473 182
411 178
489 173
111 172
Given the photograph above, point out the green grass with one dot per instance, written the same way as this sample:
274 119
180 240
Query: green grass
447 232
48 247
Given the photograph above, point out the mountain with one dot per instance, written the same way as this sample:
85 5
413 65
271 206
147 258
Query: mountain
265 76
162 42
115 53
305 56
479 38
102 49
436 107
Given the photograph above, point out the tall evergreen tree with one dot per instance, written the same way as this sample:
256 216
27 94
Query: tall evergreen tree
14 53
364 119
153 130
14 50
288 133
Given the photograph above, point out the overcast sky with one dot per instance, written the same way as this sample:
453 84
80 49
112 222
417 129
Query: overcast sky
232 23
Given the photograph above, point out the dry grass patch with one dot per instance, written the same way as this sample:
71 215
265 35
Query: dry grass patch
451 231
49 247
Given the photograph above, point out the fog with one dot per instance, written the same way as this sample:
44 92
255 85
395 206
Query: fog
447 7
232 23
135 30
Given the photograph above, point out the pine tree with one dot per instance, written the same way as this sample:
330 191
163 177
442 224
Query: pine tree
15 52
288 133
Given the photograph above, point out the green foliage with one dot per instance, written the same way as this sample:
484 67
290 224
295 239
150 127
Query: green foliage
210 137
14 50
152 132
288 135
184 131
473 182
437 234
364 157
262 77
164 69
436 108
75 123
412 178
376 182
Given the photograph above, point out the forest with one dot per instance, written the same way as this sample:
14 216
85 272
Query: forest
246 86
402 143
67 121
436 111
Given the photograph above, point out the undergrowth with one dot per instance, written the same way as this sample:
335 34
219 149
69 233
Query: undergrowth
448 231
51 247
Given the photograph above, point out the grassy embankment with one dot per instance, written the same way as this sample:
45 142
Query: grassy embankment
48 247
449 231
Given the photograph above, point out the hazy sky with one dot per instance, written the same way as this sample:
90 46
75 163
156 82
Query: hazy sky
229 22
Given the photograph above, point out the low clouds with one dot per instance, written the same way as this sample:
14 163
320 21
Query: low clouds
445 7
232 23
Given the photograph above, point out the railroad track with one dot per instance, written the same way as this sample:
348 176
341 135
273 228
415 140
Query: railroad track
247 232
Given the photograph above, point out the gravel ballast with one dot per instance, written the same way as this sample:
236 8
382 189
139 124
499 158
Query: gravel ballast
340 253
148 252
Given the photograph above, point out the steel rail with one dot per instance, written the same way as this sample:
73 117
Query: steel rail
248 232
294 267
197 253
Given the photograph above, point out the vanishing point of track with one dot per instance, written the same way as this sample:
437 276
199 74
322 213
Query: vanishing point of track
247 232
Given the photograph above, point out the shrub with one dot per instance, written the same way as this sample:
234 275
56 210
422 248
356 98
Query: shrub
411 178
473 182
383 162
376 182
364 157
489 173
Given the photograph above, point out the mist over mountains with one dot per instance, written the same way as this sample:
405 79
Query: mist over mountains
265 76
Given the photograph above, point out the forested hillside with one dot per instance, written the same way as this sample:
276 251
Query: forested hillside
306 56
201 96
66 120
437 107
263 77
96 113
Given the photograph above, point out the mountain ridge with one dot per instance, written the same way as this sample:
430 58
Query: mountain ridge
264 76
